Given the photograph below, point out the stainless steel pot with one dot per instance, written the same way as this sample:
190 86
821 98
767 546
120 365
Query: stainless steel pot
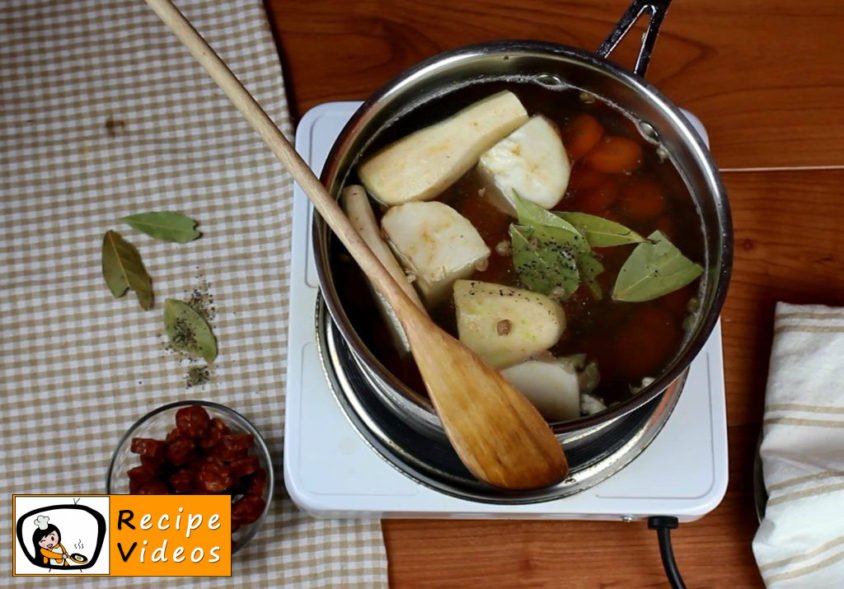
397 420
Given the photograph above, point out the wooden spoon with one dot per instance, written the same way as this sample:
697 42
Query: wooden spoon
498 434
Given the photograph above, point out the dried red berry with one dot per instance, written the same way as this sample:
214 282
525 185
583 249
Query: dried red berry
182 481
154 463
213 477
247 509
192 421
141 474
180 451
214 433
258 483
148 447
233 446
242 467
201 455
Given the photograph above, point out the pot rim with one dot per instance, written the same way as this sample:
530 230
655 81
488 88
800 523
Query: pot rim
503 48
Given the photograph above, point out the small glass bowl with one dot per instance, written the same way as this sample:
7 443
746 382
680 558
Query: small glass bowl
158 422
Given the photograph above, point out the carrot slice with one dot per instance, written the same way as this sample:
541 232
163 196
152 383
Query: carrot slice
641 199
597 200
646 341
615 155
581 135
585 178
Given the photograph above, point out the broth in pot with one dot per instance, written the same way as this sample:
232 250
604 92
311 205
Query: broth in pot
605 239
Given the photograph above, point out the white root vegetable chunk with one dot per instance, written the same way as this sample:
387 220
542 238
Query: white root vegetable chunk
506 325
532 162
425 163
435 244
552 386
590 404
356 204
560 388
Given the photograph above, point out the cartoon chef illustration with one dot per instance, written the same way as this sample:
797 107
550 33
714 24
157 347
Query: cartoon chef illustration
47 542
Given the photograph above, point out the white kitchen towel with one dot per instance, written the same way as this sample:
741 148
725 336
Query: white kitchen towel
104 114
800 542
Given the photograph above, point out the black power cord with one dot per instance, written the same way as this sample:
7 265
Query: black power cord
663 525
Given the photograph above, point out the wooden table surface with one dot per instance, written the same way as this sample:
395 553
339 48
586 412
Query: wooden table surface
766 77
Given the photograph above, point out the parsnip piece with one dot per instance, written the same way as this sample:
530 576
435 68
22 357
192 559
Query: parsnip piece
434 243
356 204
590 404
532 162
423 164
506 325
552 386
560 388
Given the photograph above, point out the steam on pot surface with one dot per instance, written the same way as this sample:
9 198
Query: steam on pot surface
542 229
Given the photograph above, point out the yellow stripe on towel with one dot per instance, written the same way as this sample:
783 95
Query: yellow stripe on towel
839 541
811 492
818 476
803 422
805 570
804 408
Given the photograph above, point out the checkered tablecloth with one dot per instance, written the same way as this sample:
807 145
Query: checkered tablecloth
105 114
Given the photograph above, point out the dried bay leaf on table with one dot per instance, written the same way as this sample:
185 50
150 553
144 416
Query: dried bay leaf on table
188 331
123 269
655 268
164 225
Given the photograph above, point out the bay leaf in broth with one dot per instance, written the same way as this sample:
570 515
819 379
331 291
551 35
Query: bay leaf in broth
533 215
600 232
655 268
590 268
543 266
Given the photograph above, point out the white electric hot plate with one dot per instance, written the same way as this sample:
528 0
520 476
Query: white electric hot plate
331 471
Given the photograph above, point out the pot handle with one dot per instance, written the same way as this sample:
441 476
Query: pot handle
656 10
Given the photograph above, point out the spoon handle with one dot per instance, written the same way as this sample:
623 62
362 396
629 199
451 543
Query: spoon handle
327 207
497 433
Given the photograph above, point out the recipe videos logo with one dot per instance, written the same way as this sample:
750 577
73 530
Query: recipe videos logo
57 534
122 535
